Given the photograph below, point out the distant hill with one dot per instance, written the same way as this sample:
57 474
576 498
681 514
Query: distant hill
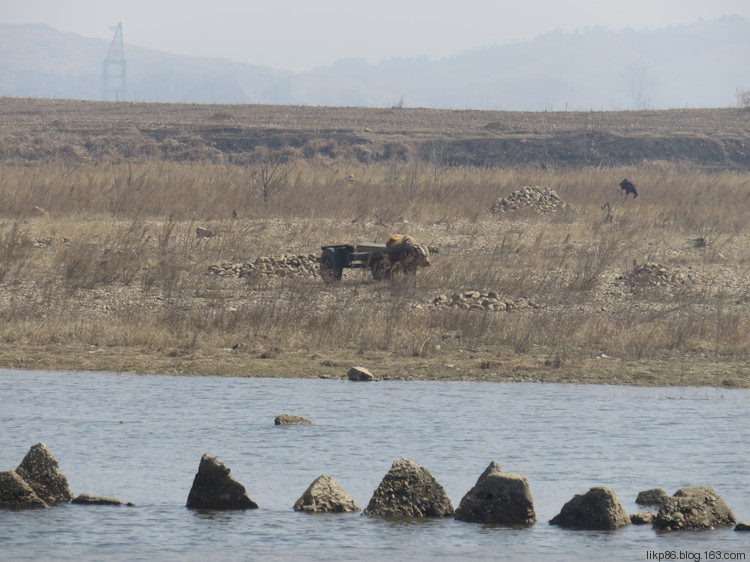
698 65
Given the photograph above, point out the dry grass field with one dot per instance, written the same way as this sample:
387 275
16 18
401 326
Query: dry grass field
101 267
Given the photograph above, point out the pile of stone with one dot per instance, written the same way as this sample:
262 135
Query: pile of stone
498 498
484 301
536 197
409 490
280 266
324 495
654 275
696 509
597 509
37 482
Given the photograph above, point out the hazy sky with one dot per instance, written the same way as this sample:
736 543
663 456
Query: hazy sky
302 34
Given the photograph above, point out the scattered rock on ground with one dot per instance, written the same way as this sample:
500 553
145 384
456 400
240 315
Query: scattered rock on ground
541 199
360 374
214 488
409 490
280 266
693 509
498 498
42 472
288 419
654 496
15 493
482 300
596 509
324 495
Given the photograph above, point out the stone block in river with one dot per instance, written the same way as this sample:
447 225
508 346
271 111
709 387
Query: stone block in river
693 509
15 493
214 488
86 499
654 496
597 509
409 490
642 518
287 419
42 472
324 495
498 498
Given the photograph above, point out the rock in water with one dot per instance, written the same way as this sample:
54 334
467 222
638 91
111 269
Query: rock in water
288 419
642 518
409 490
214 488
693 509
41 471
654 496
498 498
324 495
17 494
87 499
597 509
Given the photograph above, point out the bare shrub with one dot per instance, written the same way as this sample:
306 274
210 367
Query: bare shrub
743 98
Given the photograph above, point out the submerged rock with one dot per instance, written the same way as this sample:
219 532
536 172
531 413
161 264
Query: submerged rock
214 488
288 419
324 495
86 499
42 472
409 490
597 509
695 508
15 493
498 498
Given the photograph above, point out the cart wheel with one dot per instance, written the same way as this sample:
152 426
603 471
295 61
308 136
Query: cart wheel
380 269
330 268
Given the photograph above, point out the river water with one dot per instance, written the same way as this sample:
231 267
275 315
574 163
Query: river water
140 439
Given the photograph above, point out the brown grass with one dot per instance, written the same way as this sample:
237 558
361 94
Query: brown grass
100 267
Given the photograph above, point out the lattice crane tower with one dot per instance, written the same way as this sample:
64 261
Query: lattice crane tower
114 83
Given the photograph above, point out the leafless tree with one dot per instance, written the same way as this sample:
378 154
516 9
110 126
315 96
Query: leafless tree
271 173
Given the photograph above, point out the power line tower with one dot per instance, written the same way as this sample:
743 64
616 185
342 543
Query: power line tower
113 69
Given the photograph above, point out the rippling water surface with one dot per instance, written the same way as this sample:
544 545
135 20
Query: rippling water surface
140 439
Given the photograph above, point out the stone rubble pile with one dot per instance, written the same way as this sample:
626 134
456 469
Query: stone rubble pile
280 266
409 490
654 275
696 508
477 300
597 509
542 199
324 495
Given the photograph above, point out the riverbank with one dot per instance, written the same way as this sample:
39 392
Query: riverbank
132 239
459 365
